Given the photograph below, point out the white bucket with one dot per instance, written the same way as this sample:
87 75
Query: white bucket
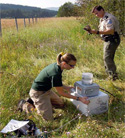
87 78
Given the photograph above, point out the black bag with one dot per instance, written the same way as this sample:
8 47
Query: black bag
29 129
111 38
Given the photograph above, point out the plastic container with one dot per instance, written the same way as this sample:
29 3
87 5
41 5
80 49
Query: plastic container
87 78
98 104
38 132
86 90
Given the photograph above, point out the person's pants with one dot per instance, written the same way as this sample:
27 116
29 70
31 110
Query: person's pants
44 101
109 53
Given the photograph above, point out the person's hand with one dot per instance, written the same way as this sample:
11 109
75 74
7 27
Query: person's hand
88 29
84 100
69 89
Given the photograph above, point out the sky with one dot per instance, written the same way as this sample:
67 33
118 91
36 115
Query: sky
38 3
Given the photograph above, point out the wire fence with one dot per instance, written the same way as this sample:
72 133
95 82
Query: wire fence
16 22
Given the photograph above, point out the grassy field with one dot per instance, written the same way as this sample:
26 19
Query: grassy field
24 54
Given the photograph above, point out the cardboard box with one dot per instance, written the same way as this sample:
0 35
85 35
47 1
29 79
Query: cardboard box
98 104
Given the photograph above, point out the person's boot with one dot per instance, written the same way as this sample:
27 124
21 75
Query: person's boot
30 101
115 77
25 106
20 105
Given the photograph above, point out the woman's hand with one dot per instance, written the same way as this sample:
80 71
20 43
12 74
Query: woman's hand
84 100
68 95
69 89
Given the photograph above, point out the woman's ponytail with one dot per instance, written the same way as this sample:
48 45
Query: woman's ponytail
65 57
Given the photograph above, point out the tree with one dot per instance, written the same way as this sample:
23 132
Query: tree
66 10
116 7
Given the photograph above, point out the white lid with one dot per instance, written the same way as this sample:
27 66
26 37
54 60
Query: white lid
87 75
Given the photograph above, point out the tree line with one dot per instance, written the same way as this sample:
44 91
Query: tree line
19 11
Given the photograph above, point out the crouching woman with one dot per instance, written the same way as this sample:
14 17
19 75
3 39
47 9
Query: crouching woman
51 76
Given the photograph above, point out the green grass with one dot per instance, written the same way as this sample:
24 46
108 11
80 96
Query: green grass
24 54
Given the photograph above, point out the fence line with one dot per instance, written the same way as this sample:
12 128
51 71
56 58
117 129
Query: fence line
34 20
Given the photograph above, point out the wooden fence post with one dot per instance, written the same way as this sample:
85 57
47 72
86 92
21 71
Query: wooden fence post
29 20
36 20
33 20
24 23
0 22
16 24
0 27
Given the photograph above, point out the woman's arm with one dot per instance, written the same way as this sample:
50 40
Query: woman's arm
67 95
67 88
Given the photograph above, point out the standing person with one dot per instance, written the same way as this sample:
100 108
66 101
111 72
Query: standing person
51 76
108 30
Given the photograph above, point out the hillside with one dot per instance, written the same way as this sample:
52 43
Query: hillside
19 11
